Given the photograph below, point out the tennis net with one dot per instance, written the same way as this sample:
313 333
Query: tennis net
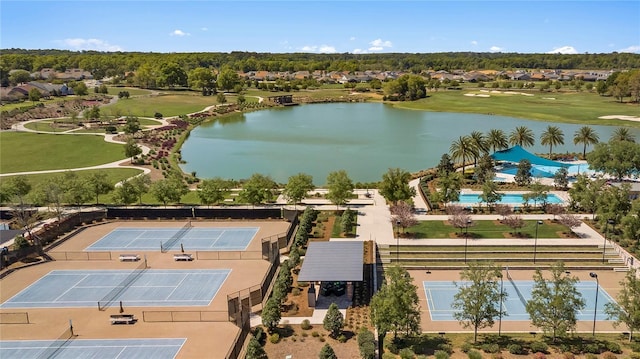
63 340
118 289
164 247
524 301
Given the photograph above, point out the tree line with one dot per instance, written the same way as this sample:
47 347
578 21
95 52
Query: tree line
108 64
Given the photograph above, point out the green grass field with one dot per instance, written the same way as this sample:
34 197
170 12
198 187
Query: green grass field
171 104
47 126
570 107
20 152
483 229
132 91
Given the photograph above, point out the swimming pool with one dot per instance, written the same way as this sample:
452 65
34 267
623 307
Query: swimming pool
510 198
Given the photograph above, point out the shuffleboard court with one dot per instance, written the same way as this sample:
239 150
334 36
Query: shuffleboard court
165 348
201 239
150 287
440 296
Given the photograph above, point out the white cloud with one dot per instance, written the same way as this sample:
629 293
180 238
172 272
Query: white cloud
179 32
79 44
632 48
204 29
352 38
379 45
359 51
563 50
474 43
321 49
496 49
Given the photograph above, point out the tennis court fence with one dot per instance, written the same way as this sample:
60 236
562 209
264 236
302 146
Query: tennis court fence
14 318
154 316
80 256
228 255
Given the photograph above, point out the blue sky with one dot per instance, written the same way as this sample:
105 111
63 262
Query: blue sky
540 26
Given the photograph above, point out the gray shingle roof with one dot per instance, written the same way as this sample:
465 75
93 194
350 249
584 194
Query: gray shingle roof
332 261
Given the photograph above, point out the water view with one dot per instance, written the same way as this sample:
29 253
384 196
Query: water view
365 139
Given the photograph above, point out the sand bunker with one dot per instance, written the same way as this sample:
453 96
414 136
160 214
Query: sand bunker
476 95
621 117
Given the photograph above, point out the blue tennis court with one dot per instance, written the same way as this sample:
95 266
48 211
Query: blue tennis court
202 239
165 348
148 288
440 296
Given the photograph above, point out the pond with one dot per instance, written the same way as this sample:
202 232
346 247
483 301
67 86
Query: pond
365 139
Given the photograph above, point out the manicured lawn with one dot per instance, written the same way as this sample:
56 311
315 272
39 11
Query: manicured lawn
20 151
571 107
132 91
172 104
483 229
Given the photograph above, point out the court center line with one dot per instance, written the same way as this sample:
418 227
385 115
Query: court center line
176 287
71 287
121 351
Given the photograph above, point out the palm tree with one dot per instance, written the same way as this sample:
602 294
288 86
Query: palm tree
462 150
480 146
522 136
622 134
552 136
496 139
587 136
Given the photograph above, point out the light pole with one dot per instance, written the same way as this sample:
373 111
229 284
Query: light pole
604 244
398 242
595 309
535 243
466 238
501 299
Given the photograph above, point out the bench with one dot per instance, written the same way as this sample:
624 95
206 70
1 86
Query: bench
123 319
183 257
129 258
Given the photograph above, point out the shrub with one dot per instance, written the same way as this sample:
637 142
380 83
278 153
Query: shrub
274 338
491 347
539 346
515 349
407 353
635 347
474 354
366 344
465 347
634 356
388 356
295 291
306 325
614 347
315 334
590 356
445 347
260 335
439 354
342 338
592 348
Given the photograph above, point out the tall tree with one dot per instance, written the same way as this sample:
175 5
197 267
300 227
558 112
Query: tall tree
522 136
169 190
555 301
333 320
478 300
140 185
622 134
552 136
76 189
257 189
131 149
561 179
99 184
585 135
132 125
213 190
171 74
616 158
403 214
497 139
297 187
490 194
255 350
227 79
479 144
449 187
394 308
271 314
395 186
203 79
125 193
523 175
462 150
584 193
626 309
445 166
340 187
